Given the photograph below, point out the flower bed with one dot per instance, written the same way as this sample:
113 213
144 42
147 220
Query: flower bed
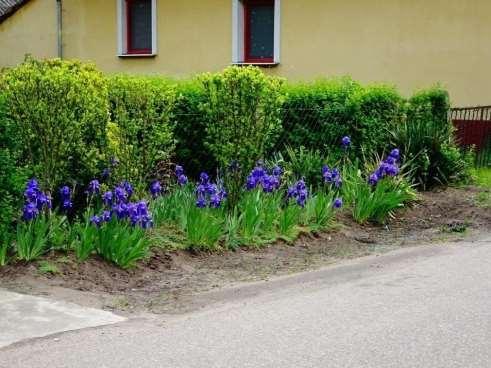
272 205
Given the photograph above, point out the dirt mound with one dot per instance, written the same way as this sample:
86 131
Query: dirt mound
165 281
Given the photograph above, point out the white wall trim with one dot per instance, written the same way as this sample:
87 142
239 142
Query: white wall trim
154 27
238 32
120 10
121 27
277 31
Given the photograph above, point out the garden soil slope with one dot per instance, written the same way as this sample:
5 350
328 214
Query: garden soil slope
169 280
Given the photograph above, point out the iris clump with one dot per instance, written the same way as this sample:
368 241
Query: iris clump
36 201
182 179
385 191
40 230
332 176
117 205
388 167
209 194
66 198
299 192
259 177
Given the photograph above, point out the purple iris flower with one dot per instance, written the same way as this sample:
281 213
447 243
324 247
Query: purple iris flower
96 221
346 142
108 198
204 178
182 180
155 189
94 187
30 212
373 180
338 203
201 202
395 153
179 170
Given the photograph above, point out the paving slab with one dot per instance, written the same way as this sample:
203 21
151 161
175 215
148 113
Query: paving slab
25 317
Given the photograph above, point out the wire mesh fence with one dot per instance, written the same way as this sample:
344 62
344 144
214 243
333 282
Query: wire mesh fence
313 128
473 129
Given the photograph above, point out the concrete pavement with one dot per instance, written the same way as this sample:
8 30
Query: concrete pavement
422 307
24 317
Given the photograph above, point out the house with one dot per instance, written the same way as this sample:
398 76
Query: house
412 44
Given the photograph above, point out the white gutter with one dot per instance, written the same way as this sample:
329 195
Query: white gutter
59 28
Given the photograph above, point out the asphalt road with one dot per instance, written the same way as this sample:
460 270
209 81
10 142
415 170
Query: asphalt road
423 307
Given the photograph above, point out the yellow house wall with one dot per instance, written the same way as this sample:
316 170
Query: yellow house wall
31 30
193 36
411 44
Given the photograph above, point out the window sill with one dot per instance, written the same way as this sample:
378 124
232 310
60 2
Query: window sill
136 55
263 65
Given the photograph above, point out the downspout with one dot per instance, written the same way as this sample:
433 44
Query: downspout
59 28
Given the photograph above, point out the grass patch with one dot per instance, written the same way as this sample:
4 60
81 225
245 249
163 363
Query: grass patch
48 268
483 177
483 199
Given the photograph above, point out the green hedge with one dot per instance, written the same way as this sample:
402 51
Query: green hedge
141 128
316 115
190 129
13 172
60 109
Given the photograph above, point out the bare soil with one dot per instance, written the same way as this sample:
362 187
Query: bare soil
168 280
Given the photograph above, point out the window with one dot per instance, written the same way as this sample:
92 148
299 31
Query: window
259 31
256 31
137 27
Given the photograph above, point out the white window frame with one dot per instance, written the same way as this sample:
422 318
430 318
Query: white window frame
238 33
122 30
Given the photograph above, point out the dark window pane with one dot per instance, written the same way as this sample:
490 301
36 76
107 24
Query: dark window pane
261 31
140 19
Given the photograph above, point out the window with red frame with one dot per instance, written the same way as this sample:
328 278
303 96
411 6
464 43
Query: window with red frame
259 16
139 26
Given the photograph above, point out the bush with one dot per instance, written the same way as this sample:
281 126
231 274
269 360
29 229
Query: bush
242 107
427 141
316 115
13 174
190 130
304 163
60 108
141 132
378 110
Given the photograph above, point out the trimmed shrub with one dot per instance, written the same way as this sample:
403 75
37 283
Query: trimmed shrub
242 107
378 110
316 115
60 108
13 174
190 130
141 128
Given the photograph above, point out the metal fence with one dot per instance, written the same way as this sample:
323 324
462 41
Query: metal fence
473 129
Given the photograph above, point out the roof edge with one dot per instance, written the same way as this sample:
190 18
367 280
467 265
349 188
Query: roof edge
11 11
